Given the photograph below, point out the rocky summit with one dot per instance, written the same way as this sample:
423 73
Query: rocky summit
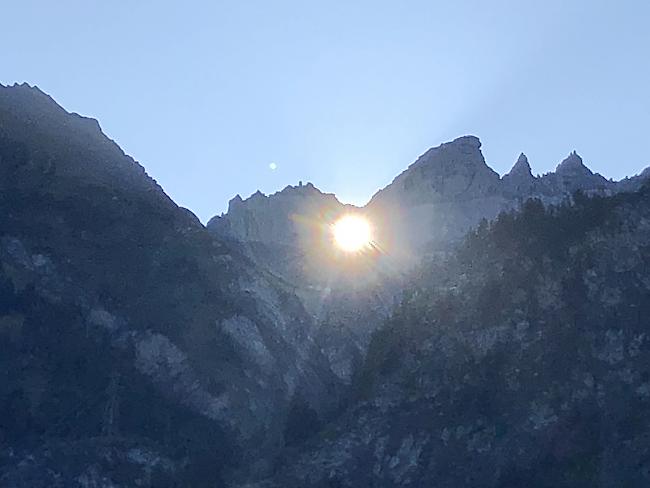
495 333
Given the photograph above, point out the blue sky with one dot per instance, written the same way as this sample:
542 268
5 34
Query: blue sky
206 95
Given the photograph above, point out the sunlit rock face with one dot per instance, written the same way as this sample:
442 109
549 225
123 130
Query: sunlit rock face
282 218
290 234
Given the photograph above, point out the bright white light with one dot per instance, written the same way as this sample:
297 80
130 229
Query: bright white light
352 233
273 166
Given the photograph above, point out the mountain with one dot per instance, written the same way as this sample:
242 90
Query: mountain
450 189
288 234
432 204
426 210
447 190
273 228
136 347
487 339
520 360
519 181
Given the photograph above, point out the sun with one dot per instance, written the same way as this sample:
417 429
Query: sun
352 233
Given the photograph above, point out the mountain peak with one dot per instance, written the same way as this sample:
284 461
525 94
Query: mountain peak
519 180
572 164
25 98
235 202
81 151
521 167
466 140
451 168
467 144
463 151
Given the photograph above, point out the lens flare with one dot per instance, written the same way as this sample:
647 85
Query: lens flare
352 233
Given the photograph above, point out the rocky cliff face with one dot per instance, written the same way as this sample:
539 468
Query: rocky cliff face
137 349
283 218
289 235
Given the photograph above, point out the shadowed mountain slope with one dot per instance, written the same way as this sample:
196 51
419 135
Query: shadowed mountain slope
135 345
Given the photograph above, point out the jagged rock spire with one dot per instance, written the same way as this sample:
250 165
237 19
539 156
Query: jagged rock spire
572 164
521 168
520 180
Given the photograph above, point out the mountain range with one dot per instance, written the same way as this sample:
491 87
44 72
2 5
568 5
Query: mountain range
496 335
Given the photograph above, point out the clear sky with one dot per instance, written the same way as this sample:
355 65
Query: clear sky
346 94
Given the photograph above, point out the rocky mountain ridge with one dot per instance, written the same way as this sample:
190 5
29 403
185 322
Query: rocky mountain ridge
446 191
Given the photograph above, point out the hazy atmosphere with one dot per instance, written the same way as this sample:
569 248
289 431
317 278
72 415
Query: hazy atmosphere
210 96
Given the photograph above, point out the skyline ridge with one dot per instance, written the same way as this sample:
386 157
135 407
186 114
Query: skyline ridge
572 154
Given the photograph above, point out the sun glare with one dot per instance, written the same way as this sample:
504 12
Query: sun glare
352 233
